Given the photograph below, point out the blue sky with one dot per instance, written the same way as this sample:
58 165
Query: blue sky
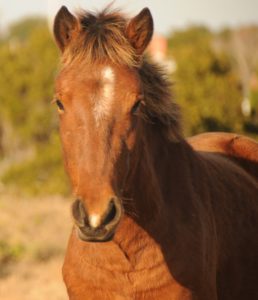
168 14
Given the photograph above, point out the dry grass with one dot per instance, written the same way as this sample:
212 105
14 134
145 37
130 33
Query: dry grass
33 238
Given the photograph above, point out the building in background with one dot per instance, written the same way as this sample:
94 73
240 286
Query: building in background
158 49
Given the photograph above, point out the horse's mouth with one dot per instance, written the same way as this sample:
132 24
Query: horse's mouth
100 235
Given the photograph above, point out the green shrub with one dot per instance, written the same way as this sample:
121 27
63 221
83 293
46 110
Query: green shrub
9 254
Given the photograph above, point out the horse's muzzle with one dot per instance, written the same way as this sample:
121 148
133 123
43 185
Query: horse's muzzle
105 228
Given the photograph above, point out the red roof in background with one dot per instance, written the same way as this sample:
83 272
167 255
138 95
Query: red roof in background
158 47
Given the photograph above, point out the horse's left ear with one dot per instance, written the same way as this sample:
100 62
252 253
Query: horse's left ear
65 27
140 29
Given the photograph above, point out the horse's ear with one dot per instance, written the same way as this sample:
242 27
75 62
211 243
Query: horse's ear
65 27
140 29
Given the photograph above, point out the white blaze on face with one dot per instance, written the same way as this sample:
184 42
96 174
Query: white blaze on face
103 105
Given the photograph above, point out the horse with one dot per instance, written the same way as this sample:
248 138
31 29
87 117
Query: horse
154 218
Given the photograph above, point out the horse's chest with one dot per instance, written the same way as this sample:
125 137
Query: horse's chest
97 272
102 284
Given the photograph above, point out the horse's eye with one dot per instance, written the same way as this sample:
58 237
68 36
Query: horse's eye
136 107
60 105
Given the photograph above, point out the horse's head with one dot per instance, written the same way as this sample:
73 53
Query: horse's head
98 94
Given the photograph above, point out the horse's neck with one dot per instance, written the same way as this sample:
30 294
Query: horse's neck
158 182
161 175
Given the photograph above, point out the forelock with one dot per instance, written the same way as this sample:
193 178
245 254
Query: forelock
102 38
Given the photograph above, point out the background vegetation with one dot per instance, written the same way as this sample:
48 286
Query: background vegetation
214 72
29 143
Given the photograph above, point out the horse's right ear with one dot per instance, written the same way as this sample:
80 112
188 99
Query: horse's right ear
65 27
139 30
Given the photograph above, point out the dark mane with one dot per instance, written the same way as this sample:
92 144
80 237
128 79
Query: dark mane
103 38
161 110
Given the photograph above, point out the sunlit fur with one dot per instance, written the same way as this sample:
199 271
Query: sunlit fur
190 223
102 37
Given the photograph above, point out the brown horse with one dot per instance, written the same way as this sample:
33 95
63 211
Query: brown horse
154 219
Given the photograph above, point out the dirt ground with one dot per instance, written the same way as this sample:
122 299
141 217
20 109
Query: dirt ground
33 238
34 282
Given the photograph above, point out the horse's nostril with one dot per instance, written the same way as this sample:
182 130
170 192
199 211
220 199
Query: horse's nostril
92 224
79 212
111 213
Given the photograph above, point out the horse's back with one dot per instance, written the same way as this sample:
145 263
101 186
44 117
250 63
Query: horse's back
238 148
233 158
